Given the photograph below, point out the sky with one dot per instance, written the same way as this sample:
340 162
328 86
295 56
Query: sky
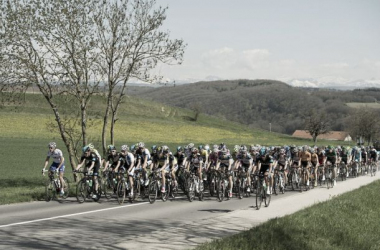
291 40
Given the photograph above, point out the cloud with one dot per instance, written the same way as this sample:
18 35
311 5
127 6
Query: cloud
339 65
228 58
220 58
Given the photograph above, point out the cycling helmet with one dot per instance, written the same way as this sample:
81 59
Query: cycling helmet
179 149
86 148
194 150
154 147
141 145
91 146
243 149
207 147
124 148
133 147
312 151
263 151
200 147
165 149
190 146
111 147
52 145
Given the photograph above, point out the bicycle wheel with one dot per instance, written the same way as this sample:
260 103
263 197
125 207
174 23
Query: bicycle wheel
267 198
259 197
294 181
108 188
82 191
220 190
153 191
282 185
276 185
50 191
190 190
165 195
240 187
66 188
99 192
120 191
212 186
201 191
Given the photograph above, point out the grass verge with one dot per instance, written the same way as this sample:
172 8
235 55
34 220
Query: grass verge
348 221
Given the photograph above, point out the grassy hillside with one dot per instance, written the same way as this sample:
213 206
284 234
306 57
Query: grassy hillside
24 136
260 102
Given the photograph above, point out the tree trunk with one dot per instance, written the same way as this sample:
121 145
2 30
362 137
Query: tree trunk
105 122
315 139
84 122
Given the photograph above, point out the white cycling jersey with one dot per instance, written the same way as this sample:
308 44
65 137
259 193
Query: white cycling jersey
56 155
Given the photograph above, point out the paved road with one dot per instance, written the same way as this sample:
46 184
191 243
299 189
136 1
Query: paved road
176 224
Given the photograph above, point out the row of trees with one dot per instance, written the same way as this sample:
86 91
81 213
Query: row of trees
82 48
362 123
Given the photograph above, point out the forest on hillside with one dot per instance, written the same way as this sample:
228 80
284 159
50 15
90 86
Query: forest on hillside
260 102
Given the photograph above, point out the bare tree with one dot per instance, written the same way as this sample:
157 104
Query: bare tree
316 124
365 123
131 45
50 44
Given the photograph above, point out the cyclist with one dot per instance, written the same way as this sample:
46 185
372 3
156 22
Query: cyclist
265 164
345 157
315 163
331 156
127 164
305 163
113 158
373 155
145 160
225 160
245 161
92 161
282 163
57 165
203 150
195 161
364 159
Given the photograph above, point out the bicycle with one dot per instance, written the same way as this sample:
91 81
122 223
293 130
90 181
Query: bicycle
139 186
194 185
212 180
373 168
295 178
109 183
343 171
222 184
328 174
278 182
123 189
85 188
261 192
53 186
304 180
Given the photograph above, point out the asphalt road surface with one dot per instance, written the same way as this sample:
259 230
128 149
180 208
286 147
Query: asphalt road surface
174 224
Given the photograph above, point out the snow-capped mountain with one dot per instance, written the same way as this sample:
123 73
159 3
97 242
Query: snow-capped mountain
333 83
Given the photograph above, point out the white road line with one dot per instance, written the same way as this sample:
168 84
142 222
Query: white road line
69 215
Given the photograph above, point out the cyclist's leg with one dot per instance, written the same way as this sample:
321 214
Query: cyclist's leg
163 174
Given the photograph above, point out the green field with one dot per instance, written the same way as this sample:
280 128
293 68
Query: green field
349 221
24 137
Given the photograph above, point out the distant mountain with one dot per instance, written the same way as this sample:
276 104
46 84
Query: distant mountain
334 83
321 82
261 102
